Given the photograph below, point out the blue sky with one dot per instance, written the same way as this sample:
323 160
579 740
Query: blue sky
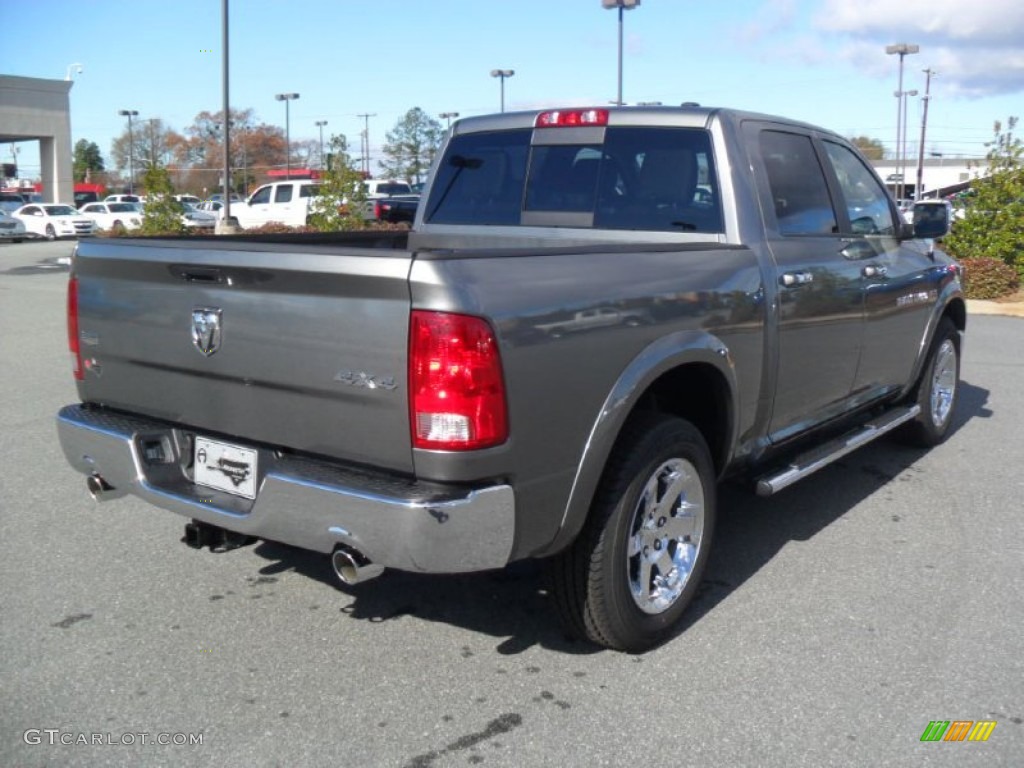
822 61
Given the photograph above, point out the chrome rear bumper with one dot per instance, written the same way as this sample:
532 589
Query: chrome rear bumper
395 522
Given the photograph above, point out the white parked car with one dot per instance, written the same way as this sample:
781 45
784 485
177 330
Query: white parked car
53 220
190 199
211 206
122 199
11 228
116 217
196 219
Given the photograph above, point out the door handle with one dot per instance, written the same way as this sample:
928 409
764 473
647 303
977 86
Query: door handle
874 270
789 279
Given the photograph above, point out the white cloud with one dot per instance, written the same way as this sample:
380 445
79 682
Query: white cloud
977 46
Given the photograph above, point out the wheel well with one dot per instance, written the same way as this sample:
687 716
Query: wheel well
957 312
699 394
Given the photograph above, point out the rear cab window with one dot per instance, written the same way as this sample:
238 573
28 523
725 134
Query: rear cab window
620 177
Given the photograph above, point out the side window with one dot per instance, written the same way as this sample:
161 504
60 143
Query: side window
309 190
799 192
283 194
867 203
261 196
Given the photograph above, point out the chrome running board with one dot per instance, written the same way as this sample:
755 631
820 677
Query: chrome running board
823 455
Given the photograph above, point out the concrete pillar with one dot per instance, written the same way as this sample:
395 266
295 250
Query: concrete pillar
34 108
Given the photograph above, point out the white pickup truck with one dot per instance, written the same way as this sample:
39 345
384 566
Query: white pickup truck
285 202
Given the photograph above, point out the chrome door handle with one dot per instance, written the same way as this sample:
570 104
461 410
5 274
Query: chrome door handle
790 279
874 270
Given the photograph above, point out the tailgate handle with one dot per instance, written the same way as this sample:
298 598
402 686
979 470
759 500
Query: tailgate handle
198 274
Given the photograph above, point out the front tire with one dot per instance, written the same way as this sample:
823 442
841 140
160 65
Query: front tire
937 390
51 233
636 565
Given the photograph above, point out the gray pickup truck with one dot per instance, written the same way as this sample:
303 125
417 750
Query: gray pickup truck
401 403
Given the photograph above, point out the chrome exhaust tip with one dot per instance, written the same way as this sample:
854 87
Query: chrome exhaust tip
351 567
98 487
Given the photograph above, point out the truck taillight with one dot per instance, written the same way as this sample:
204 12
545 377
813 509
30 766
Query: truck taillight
73 341
378 210
456 387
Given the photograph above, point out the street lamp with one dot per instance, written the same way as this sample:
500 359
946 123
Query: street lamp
903 141
287 98
448 116
502 73
76 66
320 124
622 5
902 50
130 113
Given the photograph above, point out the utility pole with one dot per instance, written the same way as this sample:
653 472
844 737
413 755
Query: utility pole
365 147
924 127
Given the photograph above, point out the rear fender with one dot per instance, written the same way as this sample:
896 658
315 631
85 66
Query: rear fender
667 354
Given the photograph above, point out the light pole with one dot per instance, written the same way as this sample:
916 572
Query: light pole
901 49
320 124
503 74
622 5
287 98
924 127
130 113
76 66
903 142
448 116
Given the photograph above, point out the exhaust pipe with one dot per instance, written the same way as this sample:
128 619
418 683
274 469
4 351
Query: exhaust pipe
98 487
352 567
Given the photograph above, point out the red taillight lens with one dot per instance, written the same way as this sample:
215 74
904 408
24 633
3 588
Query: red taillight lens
456 387
565 118
73 342
378 210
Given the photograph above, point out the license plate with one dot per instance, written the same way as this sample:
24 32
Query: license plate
226 467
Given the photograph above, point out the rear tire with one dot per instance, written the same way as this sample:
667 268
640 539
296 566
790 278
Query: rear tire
636 565
51 233
937 390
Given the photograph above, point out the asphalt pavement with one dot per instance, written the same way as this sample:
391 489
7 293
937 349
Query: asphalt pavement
837 620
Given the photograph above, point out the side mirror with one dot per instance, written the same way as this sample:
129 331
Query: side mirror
931 220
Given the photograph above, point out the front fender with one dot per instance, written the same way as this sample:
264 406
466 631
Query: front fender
669 353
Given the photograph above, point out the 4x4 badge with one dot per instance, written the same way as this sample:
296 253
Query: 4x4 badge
206 326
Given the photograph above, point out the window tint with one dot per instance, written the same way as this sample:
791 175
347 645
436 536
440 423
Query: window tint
867 202
481 179
658 179
640 178
309 190
261 195
799 192
283 194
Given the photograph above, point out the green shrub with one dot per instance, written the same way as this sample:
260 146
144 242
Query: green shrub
987 278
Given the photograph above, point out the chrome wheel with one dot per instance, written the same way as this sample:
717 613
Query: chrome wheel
943 384
665 535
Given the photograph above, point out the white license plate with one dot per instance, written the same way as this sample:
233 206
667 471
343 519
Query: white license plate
226 467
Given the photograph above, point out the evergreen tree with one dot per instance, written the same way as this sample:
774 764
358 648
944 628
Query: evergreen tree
411 146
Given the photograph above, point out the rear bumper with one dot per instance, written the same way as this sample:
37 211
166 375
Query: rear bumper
394 522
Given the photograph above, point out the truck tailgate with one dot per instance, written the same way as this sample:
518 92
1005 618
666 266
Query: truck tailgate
300 346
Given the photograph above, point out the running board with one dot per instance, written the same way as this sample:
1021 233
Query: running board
807 463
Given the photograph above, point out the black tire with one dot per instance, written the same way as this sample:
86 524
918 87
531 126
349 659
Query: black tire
117 227
937 390
604 592
51 233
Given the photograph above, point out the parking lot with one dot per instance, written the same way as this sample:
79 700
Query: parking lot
837 619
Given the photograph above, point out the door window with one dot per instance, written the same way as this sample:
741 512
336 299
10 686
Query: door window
261 196
283 194
799 192
867 203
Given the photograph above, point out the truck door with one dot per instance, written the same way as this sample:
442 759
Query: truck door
819 291
256 211
901 282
